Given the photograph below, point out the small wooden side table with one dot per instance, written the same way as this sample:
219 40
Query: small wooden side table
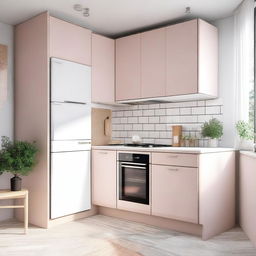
23 194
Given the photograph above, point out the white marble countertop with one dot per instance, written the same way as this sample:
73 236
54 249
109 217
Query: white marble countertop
188 150
248 153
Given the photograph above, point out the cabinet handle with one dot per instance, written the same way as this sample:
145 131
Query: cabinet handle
84 142
103 153
173 169
173 156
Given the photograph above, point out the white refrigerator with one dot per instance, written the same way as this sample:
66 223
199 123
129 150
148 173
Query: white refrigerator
70 178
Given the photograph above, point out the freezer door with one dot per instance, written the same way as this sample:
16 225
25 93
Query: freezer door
70 81
70 183
70 121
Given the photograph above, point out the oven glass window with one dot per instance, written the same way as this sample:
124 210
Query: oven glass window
134 184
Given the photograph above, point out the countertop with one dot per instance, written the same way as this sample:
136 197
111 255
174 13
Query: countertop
188 150
248 153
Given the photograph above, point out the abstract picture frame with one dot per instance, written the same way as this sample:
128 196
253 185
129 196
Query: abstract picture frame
3 73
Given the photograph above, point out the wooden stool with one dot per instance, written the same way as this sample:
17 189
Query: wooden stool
23 194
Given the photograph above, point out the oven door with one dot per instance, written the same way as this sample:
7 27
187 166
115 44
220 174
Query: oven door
134 182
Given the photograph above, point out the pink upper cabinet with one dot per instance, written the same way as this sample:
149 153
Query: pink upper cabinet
181 58
207 58
70 42
103 69
128 68
153 63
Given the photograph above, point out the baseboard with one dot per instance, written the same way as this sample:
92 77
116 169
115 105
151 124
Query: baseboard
180 226
73 217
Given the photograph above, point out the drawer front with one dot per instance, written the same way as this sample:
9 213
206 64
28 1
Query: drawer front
190 160
175 192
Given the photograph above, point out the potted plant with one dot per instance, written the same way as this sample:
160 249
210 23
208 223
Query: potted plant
213 130
18 158
246 135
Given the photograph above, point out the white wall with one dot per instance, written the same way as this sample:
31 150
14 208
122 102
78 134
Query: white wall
6 109
227 78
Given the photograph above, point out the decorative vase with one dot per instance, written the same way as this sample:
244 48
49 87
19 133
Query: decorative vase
213 143
15 183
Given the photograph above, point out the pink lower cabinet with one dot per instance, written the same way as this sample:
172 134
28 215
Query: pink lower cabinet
247 194
104 178
195 188
175 192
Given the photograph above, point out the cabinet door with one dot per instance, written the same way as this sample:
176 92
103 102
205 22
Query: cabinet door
175 192
103 69
128 68
153 63
104 178
181 50
70 42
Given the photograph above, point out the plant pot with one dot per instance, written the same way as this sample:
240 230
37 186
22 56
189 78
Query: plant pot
16 183
213 143
246 144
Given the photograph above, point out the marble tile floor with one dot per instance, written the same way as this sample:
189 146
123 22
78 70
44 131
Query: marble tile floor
106 236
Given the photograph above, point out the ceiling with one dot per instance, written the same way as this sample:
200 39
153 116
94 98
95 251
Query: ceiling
118 17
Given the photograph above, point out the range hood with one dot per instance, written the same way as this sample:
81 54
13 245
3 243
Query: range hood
176 98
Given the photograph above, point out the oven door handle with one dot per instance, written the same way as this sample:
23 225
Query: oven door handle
134 167
142 164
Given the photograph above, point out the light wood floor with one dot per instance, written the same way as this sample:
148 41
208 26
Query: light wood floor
105 236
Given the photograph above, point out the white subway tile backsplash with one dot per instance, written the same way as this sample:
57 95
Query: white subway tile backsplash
173 111
148 127
143 119
119 113
116 120
150 112
127 113
137 127
123 120
153 106
212 110
132 120
160 127
137 113
201 103
165 135
185 111
198 110
203 118
154 119
160 112
154 122
128 127
173 119
154 135
148 141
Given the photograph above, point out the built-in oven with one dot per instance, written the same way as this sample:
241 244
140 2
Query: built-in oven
134 177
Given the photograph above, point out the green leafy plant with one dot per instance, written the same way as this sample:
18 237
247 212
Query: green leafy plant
245 130
212 129
17 157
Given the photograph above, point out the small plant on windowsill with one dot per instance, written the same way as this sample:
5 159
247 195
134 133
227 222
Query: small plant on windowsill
246 135
212 130
18 158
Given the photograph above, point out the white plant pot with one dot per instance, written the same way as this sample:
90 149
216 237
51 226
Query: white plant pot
246 144
213 143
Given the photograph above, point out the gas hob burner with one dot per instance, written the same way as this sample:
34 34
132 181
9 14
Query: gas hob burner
146 145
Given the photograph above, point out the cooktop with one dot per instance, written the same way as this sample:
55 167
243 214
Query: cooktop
142 145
